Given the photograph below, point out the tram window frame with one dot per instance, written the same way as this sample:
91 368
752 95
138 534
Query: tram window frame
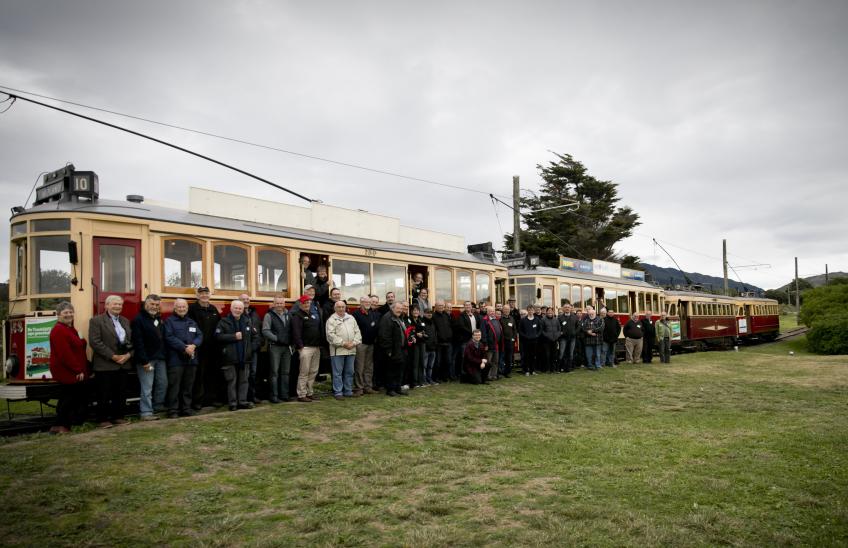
576 298
461 297
400 293
21 261
672 309
564 294
640 302
655 303
477 297
610 298
347 296
50 225
588 296
203 258
286 256
622 305
36 260
15 229
547 295
438 290
247 277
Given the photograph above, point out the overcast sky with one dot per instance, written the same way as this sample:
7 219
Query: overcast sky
717 119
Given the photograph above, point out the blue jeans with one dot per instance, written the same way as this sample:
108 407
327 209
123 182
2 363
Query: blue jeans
566 353
593 356
429 362
343 374
154 387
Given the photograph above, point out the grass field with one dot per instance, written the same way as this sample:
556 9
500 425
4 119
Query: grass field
744 448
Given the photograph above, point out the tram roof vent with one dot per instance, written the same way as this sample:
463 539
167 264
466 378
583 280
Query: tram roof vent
135 198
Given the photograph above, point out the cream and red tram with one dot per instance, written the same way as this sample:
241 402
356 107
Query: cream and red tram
82 249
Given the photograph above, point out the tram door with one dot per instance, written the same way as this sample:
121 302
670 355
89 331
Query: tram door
117 271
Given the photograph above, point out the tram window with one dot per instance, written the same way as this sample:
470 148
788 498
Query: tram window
48 225
117 269
564 294
622 303
526 295
183 264
18 229
230 267
610 296
389 278
672 309
353 278
548 295
463 286
444 284
47 304
641 301
655 303
20 267
51 268
576 296
483 286
587 296
272 271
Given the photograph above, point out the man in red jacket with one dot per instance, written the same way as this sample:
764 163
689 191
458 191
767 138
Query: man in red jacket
69 367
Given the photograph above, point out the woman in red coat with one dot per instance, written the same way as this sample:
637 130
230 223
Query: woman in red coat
69 367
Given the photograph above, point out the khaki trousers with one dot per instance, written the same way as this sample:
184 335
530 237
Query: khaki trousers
309 359
634 350
363 372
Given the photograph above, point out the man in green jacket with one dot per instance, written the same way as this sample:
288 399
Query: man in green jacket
664 338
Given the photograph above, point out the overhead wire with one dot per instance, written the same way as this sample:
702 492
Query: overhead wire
254 144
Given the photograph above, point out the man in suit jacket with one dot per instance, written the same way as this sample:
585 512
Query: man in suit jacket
110 338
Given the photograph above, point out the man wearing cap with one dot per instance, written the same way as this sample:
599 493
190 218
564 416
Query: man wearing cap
207 382
306 335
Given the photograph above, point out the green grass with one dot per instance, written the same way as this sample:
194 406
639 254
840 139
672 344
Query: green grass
745 448
788 321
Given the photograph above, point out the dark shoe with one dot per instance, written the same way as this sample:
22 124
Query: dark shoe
257 401
150 418
233 407
274 400
248 405
392 393
313 398
304 399
197 407
338 397
173 415
187 413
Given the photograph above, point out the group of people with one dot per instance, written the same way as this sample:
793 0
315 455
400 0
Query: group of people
198 357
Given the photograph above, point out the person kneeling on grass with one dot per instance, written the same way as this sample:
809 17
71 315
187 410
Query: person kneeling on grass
474 360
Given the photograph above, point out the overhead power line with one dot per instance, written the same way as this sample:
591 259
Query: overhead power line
252 143
161 142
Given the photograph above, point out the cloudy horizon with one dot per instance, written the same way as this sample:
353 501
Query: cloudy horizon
717 121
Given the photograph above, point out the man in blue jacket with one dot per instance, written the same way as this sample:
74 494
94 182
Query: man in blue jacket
367 319
148 339
182 338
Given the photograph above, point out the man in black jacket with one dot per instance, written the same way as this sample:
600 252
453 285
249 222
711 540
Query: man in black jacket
444 334
463 327
363 374
277 330
633 338
509 327
208 389
650 334
392 341
551 331
568 323
306 335
612 329
255 320
238 342
148 339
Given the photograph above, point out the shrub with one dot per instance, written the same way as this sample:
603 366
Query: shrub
829 335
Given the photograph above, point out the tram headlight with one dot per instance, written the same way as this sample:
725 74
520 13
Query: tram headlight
12 366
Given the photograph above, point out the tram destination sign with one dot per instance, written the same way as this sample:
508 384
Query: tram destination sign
514 260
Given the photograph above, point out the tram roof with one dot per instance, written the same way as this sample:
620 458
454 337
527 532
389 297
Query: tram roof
158 213
548 271
688 293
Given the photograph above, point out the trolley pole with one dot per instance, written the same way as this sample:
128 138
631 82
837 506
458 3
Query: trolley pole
797 292
516 217
724 264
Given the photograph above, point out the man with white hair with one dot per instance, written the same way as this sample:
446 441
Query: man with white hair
238 344
182 339
110 337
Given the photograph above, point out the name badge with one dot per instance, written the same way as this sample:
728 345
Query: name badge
155 323
563 323
534 326
313 317
509 324
373 324
192 330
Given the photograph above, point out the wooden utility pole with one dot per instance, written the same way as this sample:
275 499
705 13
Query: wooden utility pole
825 275
797 292
516 217
724 264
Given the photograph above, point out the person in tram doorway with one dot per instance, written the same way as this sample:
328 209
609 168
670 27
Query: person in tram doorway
110 336
68 367
321 283
148 336
415 290
277 330
307 277
255 322
208 386
649 334
306 336
237 344
664 338
182 338
343 337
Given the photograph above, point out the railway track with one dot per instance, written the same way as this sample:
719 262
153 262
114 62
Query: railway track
792 333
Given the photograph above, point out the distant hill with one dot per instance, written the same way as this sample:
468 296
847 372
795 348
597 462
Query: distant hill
818 280
672 276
